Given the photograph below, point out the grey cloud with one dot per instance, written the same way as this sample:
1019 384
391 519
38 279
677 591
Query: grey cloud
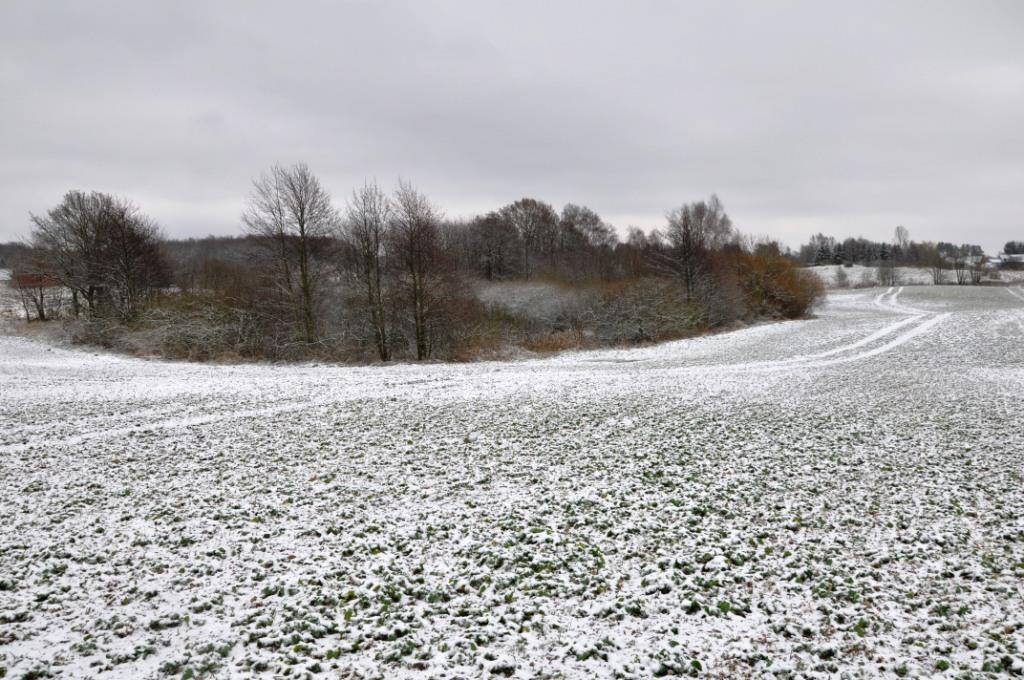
803 116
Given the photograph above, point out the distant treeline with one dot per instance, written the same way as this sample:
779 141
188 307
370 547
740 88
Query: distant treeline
11 253
965 263
387 276
822 250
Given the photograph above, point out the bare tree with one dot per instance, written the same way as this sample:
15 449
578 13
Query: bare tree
496 246
933 259
70 241
537 224
103 249
366 231
415 239
961 266
579 219
978 268
586 243
293 217
886 273
693 231
635 252
900 241
133 266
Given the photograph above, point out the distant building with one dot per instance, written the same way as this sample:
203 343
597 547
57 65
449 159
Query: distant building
1009 260
969 260
23 280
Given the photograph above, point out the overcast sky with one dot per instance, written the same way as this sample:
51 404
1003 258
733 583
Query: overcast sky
847 118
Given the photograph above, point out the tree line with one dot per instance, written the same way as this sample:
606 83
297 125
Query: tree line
964 263
385 275
822 250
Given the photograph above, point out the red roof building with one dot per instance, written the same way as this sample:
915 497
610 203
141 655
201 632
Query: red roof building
26 280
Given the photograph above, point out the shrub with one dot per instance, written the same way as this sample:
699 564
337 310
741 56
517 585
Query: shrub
777 287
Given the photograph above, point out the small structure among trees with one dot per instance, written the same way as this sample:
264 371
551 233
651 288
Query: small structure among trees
39 293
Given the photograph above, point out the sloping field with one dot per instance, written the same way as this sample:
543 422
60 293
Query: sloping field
844 494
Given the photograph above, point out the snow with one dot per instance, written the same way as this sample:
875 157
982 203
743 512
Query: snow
860 276
810 498
531 299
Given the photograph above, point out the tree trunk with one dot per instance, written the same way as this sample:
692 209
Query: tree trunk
419 318
306 291
377 319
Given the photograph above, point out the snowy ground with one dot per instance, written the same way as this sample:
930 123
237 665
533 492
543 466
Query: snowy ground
859 276
844 494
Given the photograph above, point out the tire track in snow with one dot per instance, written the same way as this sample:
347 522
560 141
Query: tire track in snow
1017 294
359 392
889 301
168 424
804 358
17 431
351 392
886 301
920 329
808 362
880 299
894 304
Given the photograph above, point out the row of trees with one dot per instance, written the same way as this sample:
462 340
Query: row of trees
966 261
382 255
386 275
528 238
901 251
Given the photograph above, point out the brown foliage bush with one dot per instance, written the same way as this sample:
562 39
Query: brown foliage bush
776 287
554 341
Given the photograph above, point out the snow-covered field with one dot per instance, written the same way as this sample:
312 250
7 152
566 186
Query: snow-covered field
844 494
859 276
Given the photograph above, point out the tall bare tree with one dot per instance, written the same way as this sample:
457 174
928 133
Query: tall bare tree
292 215
635 252
496 246
133 265
694 230
104 250
962 266
978 268
415 239
366 232
537 225
900 242
586 243
933 259
69 240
